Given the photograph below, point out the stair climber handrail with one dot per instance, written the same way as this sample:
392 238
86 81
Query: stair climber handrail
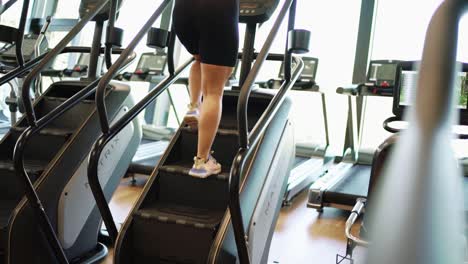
32 197
20 71
20 34
100 92
93 177
247 140
244 153
18 160
29 80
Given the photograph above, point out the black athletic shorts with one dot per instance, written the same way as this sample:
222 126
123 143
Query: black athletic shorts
209 28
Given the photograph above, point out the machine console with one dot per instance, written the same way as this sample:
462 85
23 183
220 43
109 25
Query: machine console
381 77
406 90
256 11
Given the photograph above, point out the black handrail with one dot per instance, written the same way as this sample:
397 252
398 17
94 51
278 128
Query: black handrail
244 153
7 6
29 80
246 140
20 35
100 144
100 100
18 160
110 33
19 71
247 86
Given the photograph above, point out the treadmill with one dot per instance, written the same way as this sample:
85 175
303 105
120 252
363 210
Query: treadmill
312 160
349 179
403 96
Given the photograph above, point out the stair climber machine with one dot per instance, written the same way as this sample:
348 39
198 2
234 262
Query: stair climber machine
151 69
18 49
46 207
312 160
405 94
349 179
182 219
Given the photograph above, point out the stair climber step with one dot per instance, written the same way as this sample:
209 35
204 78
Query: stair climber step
6 207
61 132
176 186
185 234
225 147
10 187
31 166
183 168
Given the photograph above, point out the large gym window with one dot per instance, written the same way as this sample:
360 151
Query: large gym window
399 34
334 26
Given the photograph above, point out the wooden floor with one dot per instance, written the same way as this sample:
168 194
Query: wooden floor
302 236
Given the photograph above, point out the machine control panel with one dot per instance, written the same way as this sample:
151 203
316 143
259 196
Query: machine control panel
256 11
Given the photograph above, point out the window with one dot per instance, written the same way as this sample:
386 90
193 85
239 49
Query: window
400 31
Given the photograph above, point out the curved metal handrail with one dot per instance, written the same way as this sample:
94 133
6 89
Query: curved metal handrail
100 92
23 176
110 33
250 80
93 177
29 80
20 35
244 153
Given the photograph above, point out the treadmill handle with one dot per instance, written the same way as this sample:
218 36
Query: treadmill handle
355 213
350 90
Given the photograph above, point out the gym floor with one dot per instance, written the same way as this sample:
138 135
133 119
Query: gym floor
301 236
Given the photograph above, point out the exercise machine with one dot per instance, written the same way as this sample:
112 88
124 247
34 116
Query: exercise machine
45 198
404 96
349 179
187 219
312 160
18 49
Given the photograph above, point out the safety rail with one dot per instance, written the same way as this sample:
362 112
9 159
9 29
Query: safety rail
247 140
32 197
20 34
93 177
110 131
19 71
6 6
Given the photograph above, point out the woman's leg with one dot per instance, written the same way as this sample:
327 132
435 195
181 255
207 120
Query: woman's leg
213 80
195 87
195 82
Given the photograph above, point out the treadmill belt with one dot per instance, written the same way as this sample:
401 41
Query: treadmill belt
355 184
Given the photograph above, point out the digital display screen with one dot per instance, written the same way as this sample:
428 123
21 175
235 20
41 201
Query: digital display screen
409 80
248 5
152 62
383 72
310 68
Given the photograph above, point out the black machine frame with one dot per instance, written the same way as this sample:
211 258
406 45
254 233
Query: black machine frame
36 125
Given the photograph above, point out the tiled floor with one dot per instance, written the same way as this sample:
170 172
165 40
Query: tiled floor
302 235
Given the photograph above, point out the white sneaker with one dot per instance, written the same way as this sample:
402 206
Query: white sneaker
204 168
192 115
